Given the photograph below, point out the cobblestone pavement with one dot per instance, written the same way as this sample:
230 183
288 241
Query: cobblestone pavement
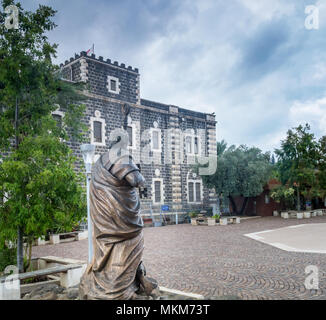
220 260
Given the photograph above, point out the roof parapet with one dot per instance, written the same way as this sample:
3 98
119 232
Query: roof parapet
100 59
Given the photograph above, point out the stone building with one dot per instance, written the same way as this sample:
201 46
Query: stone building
164 140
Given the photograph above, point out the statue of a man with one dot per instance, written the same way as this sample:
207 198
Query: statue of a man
116 271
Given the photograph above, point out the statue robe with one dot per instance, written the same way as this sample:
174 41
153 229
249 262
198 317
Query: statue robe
117 232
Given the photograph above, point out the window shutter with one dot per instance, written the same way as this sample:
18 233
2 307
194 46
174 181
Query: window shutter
188 144
155 140
198 193
157 191
196 145
113 85
129 130
191 191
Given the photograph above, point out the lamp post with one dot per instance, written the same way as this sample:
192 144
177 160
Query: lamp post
88 151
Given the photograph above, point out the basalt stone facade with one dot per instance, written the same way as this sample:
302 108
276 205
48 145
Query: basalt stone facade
165 140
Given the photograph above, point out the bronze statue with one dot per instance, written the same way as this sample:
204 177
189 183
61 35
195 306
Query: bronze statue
117 271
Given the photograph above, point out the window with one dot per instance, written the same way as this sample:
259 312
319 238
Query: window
196 145
157 191
129 130
156 140
191 191
192 144
97 131
198 192
113 85
58 119
195 191
188 144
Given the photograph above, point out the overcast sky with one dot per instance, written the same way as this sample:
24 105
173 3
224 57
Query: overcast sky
252 62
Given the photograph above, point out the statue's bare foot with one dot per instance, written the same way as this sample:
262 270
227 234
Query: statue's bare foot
147 285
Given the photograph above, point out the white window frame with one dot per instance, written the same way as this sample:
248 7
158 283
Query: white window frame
194 181
92 120
62 115
188 137
159 140
108 86
192 137
58 113
153 190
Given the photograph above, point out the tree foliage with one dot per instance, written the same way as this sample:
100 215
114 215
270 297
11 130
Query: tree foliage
241 171
301 162
38 183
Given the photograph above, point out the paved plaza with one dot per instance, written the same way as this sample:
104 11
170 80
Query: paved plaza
309 238
222 260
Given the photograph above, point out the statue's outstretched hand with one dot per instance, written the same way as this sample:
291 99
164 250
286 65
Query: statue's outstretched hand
135 179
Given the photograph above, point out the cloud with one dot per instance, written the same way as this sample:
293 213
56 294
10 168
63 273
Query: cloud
312 112
251 62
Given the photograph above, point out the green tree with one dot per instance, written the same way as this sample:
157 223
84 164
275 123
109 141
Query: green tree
284 195
241 171
38 183
298 162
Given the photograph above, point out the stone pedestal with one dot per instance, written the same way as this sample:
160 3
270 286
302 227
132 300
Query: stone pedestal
54 239
299 215
223 221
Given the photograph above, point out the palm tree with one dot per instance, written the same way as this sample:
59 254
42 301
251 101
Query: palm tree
221 147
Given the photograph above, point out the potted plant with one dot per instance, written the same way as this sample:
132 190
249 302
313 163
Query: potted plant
193 217
213 220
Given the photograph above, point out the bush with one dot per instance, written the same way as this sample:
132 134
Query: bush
193 214
7 257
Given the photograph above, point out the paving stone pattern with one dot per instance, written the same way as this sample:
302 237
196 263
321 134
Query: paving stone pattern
221 261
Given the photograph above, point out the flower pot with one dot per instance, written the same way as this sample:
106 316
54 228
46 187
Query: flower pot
293 214
223 221
285 215
194 221
211 221
307 215
313 213
320 213
275 213
299 215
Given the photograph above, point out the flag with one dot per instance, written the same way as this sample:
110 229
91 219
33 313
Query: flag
90 51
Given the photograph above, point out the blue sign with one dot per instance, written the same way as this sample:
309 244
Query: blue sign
165 208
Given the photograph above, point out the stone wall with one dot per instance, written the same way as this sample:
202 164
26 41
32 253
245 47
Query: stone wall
170 164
